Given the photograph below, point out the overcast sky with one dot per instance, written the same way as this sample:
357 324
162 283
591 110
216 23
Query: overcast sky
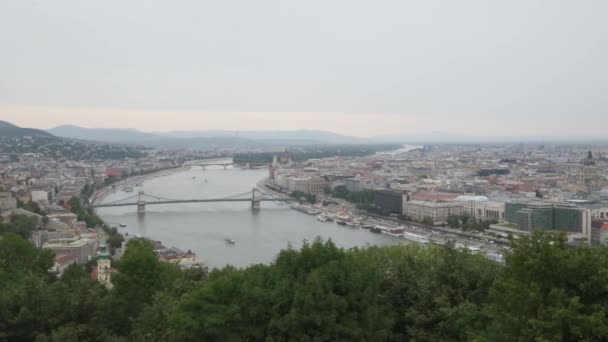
516 67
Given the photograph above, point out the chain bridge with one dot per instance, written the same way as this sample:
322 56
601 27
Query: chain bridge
141 200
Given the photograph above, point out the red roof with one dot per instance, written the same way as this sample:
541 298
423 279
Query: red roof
114 172
433 196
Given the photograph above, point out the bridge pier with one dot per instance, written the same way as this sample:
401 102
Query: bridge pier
255 202
141 203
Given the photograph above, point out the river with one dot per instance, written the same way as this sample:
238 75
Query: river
202 227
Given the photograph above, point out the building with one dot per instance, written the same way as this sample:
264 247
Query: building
604 234
548 216
437 211
104 268
353 184
587 173
309 185
80 249
472 206
40 197
389 200
7 201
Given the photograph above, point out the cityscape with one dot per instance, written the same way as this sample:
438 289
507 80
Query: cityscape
303 171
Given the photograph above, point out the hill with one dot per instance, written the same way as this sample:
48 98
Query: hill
124 135
9 130
197 139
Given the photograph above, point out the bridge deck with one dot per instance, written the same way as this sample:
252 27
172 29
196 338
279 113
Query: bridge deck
196 201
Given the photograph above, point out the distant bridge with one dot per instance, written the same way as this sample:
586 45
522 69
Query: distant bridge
141 200
204 163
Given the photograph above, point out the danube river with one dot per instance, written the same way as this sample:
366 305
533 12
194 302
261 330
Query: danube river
202 227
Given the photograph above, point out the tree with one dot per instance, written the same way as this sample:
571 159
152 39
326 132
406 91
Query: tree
140 276
549 292
428 221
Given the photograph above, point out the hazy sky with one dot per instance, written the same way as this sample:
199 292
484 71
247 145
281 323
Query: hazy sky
516 67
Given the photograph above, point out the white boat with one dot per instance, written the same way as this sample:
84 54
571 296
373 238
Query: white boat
312 211
322 218
122 225
351 224
127 189
229 241
416 238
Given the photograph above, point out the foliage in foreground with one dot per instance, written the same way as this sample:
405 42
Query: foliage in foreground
544 292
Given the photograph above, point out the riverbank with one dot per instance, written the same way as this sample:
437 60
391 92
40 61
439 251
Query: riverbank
399 229
100 194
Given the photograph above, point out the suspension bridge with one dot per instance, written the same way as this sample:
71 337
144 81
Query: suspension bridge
141 200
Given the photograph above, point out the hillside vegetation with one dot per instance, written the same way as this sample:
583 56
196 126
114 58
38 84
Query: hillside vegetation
545 292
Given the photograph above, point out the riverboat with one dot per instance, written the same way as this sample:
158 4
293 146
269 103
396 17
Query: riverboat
416 238
322 218
229 241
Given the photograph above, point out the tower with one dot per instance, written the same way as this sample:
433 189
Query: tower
104 267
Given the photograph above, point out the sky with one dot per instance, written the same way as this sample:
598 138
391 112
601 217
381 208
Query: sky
362 68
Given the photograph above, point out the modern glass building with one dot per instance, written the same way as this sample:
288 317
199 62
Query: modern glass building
546 216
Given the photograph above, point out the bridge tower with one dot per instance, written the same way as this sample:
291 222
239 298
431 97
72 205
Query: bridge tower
141 203
255 202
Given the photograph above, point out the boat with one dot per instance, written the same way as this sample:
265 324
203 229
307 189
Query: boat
312 211
375 230
322 218
340 222
351 224
123 225
367 226
229 241
329 217
416 238
127 189
193 177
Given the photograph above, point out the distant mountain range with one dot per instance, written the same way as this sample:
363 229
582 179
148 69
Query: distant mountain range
193 139
9 130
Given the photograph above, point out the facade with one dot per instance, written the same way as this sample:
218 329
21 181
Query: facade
548 216
39 196
309 185
438 211
389 200
104 272
7 202
82 250
603 232
472 206
353 184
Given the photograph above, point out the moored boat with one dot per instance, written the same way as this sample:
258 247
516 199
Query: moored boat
416 238
322 218
229 241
